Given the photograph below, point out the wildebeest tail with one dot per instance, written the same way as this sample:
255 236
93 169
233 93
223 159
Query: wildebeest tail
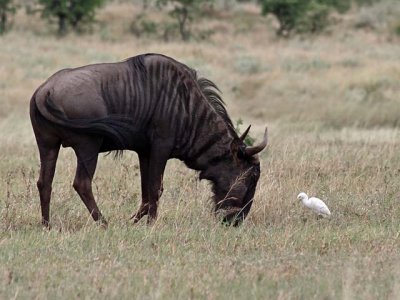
116 128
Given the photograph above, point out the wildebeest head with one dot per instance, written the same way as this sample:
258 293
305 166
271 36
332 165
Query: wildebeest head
235 179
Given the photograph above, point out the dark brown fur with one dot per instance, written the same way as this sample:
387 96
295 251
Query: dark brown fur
155 106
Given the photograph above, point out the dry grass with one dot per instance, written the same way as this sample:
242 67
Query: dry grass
331 104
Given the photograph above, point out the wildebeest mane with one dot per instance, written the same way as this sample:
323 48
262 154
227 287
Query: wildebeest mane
212 94
208 88
136 64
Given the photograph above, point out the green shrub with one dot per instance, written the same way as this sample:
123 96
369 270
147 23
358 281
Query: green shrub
142 25
302 16
314 19
397 29
70 13
184 12
6 8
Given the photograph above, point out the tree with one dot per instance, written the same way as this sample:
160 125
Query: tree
184 12
71 13
6 8
302 15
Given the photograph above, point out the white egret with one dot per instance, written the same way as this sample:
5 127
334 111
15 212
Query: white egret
315 204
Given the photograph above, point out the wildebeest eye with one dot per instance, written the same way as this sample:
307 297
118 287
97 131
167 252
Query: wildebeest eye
257 168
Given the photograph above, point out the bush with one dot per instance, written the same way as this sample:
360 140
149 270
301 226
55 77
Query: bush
396 29
184 12
70 13
302 16
315 18
142 25
6 8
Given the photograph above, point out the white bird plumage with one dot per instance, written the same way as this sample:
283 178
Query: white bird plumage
315 204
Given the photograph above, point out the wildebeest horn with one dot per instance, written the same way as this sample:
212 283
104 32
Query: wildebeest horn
243 136
250 151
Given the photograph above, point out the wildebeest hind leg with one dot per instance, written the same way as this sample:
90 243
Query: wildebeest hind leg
87 154
48 159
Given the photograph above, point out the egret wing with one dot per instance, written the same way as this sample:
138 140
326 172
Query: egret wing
319 206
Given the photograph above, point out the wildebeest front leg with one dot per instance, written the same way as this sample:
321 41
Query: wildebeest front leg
155 185
151 172
87 154
144 178
48 159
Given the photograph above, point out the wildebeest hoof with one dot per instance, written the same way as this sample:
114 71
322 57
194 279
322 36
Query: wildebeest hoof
151 220
230 217
46 225
137 216
135 219
102 222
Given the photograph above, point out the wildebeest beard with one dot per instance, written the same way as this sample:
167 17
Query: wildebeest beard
234 192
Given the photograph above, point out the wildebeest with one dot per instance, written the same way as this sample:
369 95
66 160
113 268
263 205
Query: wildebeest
151 104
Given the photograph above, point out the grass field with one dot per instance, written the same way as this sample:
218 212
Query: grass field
332 106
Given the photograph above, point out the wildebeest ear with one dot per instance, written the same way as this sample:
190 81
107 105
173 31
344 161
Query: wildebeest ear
238 149
234 147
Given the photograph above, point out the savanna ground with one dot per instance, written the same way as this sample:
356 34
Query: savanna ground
333 109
